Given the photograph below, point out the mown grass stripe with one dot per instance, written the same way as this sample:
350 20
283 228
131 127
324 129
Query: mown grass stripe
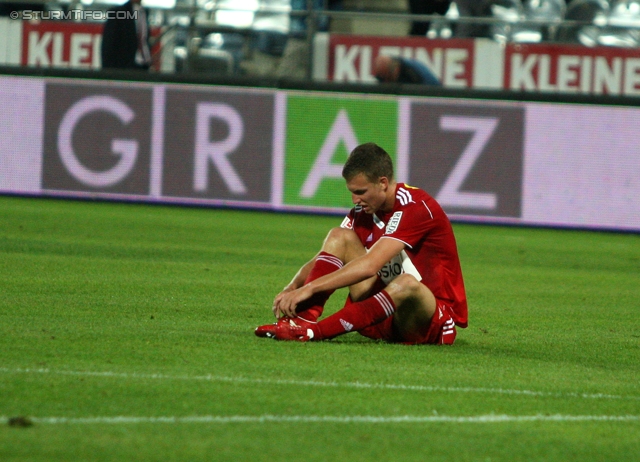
313 383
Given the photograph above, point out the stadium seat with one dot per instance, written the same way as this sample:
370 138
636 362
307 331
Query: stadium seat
215 54
623 25
591 15
544 17
507 14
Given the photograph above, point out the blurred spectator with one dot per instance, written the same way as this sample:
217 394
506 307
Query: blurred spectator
426 7
125 39
299 23
473 8
401 70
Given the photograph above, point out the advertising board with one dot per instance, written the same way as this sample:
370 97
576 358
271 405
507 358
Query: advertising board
533 163
487 64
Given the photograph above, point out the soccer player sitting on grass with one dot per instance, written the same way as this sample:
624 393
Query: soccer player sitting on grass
396 252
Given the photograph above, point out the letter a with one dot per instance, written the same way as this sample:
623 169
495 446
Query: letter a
341 130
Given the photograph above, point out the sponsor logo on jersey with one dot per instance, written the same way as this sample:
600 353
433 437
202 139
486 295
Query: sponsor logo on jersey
393 223
346 223
404 196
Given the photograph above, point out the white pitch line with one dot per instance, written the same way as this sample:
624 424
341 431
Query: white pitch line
367 419
313 383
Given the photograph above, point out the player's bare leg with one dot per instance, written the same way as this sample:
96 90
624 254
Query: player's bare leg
415 306
345 244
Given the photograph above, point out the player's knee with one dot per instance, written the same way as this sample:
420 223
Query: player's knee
412 298
343 242
404 287
341 235
410 283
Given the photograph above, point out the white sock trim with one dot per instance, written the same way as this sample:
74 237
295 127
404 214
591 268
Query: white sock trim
385 303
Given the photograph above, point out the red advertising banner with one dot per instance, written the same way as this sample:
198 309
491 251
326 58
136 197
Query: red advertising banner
66 44
572 69
61 44
482 63
351 57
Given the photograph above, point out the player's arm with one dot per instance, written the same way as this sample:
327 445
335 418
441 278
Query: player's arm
359 269
301 276
297 281
355 271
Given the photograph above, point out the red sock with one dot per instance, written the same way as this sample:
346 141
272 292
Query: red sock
311 309
356 316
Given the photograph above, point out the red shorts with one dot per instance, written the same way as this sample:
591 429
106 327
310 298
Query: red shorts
441 330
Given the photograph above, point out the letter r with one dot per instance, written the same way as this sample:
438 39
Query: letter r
217 151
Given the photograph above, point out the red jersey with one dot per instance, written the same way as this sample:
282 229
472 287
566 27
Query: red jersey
419 222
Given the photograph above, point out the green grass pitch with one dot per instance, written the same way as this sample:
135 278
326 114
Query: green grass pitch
126 333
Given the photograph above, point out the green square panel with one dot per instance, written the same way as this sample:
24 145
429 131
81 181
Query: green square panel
321 131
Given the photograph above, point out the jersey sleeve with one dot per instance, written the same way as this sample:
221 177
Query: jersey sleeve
410 224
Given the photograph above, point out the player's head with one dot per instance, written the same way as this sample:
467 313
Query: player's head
369 176
370 160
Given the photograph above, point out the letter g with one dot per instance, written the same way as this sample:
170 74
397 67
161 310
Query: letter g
126 149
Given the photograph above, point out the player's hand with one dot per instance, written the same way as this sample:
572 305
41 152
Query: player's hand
276 300
286 302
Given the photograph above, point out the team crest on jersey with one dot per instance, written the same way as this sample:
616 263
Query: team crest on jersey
346 223
393 223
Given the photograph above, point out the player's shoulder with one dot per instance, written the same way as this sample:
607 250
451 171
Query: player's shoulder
407 195
416 202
